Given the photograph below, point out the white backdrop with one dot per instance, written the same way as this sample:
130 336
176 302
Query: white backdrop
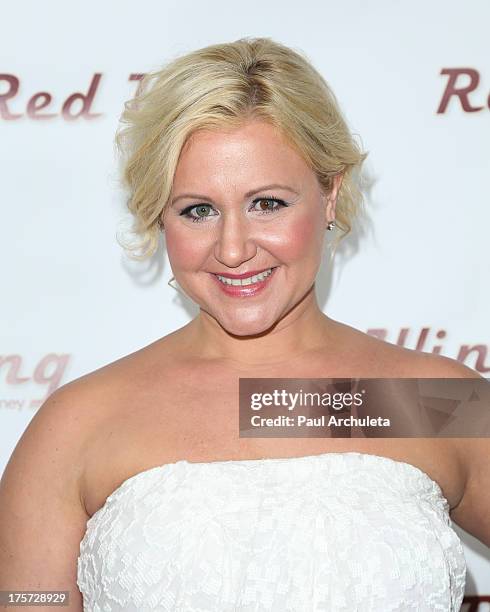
72 303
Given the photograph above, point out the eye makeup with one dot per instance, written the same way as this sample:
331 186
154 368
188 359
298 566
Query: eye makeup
186 212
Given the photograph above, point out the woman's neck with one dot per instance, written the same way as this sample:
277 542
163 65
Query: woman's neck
300 331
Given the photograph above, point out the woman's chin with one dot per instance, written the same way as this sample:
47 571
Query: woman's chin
246 328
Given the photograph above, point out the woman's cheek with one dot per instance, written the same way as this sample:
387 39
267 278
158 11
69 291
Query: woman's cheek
184 252
298 240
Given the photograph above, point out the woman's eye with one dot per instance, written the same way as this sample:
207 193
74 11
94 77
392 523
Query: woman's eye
202 211
268 206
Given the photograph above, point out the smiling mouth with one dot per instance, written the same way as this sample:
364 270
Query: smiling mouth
245 282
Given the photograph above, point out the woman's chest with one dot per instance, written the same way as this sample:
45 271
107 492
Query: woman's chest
194 414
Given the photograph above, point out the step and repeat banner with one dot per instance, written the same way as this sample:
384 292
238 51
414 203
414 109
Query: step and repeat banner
413 81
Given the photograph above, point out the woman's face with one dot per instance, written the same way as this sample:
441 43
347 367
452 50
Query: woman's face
244 201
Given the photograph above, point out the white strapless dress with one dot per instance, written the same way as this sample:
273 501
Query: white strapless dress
332 532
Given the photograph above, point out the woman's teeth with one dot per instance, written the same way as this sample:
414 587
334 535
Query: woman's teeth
251 280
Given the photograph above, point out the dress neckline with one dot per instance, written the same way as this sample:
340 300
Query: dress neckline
272 460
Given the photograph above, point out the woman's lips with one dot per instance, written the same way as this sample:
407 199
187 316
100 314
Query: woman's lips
246 290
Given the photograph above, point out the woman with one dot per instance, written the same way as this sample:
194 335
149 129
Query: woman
145 496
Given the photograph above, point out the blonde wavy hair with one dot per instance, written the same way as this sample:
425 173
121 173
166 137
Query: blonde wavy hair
221 86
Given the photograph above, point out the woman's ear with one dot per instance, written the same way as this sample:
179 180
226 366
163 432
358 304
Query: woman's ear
331 198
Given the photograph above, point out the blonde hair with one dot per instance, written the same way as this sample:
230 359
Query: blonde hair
221 86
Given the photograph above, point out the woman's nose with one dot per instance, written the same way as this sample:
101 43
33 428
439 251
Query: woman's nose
235 242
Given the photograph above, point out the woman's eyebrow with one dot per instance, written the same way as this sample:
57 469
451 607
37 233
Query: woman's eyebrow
247 195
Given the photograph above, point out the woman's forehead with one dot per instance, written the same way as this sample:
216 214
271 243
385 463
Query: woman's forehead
249 147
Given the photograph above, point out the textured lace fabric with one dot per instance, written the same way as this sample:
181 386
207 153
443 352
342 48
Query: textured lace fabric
332 532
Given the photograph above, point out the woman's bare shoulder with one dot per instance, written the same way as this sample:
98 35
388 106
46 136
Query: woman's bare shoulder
386 360
89 406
